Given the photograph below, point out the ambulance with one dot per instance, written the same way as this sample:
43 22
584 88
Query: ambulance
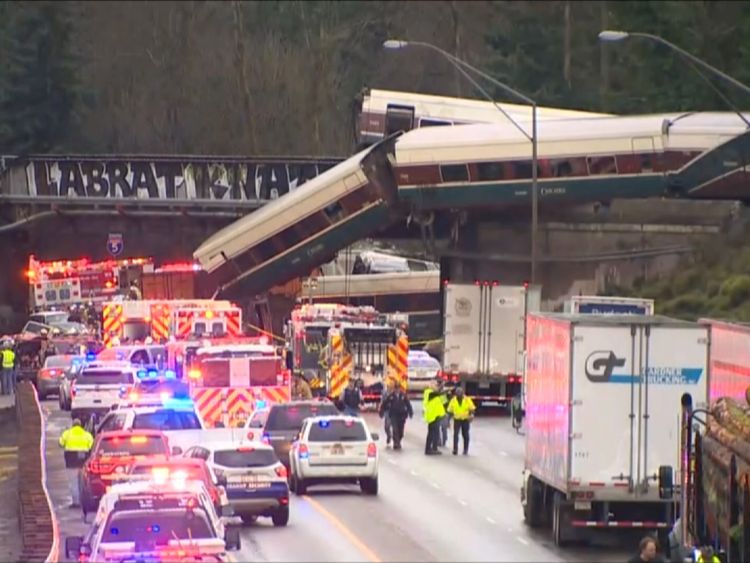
164 320
229 381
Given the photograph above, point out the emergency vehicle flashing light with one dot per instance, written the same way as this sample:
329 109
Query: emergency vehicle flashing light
260 404
194 374
90 357
324 423
304 453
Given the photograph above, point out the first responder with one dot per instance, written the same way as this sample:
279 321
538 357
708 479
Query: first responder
434 411
301 389
397 407
9 369
134 292
76 442
708 556
462 409
445 421
383 412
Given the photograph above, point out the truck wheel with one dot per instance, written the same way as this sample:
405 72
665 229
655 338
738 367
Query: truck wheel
560 523
532 511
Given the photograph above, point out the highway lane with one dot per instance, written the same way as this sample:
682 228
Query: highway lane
440 508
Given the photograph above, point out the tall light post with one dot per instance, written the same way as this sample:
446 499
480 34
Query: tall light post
462 66
612 36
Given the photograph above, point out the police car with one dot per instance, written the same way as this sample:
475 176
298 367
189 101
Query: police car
97 388
334 449
254 478
168 520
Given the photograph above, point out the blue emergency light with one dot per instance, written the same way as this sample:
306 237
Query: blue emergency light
261 404
324 423
90 357
152 373
169 374
141 373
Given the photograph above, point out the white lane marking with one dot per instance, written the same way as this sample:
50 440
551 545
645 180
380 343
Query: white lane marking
523 541
414 472
490 520
462 502
504 453
435 486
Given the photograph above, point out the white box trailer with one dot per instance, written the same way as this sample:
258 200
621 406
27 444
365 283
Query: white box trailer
602 305
484 336
604 395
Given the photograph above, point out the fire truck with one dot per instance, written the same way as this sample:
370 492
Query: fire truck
68 282
229 381
163 320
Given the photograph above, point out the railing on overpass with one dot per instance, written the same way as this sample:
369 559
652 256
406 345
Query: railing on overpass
135 183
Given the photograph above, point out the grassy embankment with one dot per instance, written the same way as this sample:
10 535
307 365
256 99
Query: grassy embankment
712 282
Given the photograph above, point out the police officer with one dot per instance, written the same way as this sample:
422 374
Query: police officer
708 556
462 409
9 364
76 442
434 411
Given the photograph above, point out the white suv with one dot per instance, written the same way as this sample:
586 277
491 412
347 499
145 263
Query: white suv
97 388
334 449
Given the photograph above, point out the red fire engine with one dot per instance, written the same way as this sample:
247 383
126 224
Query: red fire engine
230 380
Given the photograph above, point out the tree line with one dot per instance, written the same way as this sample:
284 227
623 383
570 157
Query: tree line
264 78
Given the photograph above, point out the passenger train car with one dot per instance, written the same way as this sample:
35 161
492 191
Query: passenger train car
297 232
383 112
595 159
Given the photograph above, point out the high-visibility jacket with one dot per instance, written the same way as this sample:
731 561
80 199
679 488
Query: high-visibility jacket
9 359
462 410
76 439
424 398
714 559
435 409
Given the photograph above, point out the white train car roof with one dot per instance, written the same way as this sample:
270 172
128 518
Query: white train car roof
569 137
461 109
279 214
377 284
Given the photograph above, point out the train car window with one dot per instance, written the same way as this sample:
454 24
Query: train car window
487 171
398 118
599 165
522 170
454 173
334 211
433 122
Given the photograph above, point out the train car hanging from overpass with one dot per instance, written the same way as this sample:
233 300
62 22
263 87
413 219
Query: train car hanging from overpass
384 112
292 235
592 159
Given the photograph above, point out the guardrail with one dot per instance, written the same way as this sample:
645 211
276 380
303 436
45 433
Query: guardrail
37 522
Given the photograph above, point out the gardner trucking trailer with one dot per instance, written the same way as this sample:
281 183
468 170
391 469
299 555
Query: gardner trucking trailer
602 422
601 305
484 327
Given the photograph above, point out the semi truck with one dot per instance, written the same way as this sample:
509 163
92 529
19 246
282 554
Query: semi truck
715 492
603 396
601 305
484 328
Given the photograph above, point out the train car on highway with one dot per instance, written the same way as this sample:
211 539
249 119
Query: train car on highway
290 236
591 159
383 112
602 426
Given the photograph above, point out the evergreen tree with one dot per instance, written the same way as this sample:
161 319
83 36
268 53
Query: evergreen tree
38 80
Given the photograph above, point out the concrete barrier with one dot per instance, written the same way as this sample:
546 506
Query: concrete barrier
37 522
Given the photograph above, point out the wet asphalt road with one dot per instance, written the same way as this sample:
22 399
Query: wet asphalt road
440 508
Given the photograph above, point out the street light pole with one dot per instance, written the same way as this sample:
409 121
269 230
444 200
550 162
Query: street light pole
611 36
461 65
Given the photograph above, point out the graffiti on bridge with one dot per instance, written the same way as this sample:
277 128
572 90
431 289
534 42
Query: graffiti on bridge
234 180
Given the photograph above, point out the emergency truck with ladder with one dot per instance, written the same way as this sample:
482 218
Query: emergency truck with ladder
228 381
330 342
164 320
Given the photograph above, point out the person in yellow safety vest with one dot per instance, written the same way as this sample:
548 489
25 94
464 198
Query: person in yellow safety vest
9 370
462 409
708 556
433 412
76 442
